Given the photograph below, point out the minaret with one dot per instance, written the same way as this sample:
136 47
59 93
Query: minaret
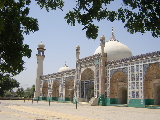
77 52
102 68
76 87
40 58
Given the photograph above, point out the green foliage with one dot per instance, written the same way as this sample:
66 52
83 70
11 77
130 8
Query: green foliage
2 3
50 4
9 93
29 92
15 24
137 15
20 92
147 17
7 83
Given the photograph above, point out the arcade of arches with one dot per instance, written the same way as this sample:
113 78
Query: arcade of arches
152 84
118 88
87 84
129 79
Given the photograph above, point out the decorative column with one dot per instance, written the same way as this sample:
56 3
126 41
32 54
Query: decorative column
40 58
77 52
101 100
76 87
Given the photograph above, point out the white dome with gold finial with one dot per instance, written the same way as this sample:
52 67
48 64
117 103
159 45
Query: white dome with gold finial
115 50
64 68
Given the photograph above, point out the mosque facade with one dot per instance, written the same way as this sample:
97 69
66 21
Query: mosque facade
112 76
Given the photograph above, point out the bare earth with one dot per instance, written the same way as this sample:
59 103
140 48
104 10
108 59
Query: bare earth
18 110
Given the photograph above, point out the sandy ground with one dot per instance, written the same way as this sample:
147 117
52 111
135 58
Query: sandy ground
20 110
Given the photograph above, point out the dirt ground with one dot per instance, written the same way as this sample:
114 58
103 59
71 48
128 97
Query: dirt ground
20 110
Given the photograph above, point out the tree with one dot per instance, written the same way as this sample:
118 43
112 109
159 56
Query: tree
14 23
9 93
20 92
32 90
29 92
138 15
7 83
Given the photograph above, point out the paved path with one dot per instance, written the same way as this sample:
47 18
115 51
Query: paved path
18 110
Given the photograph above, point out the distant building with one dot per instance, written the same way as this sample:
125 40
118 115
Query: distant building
111 76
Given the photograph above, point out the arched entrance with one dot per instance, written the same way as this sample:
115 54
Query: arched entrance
69 90
55 92
152 85
122 96
118 88
45 89
157 96
87 85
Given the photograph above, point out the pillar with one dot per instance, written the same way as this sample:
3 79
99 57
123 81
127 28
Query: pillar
101 100
76 90
40 57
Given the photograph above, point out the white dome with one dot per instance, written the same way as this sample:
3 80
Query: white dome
64 68
41 45
115 50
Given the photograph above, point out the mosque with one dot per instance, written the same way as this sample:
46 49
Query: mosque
111 76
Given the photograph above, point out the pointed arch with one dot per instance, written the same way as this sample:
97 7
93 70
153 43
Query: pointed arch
69 89
118 88
45 89
157 95
122 95
55 90
87 85
151 81
87 74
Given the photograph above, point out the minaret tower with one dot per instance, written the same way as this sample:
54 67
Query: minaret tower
40 58
102 68
77 52
76 87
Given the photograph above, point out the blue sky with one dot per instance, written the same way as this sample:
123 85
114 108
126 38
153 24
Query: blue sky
60 40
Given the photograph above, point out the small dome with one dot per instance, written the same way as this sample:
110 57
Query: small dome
41 45
64 68
115 50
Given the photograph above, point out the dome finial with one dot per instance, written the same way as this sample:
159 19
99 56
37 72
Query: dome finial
65 64
113 37
112 31
64 68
